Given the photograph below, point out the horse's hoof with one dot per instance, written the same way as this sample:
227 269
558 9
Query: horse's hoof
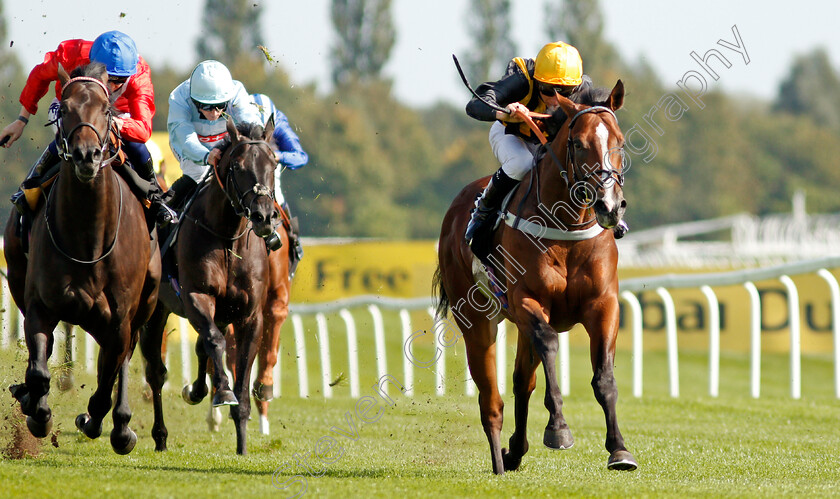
621 460
119 447
263 393
510 461
558 439
188 395
224 397
37 428
83 421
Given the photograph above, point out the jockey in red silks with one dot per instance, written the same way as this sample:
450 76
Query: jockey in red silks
132 95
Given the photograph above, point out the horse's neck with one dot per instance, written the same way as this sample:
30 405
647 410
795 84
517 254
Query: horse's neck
84 212
556 204
219 214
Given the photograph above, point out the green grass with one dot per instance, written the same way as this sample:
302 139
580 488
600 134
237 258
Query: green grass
429 446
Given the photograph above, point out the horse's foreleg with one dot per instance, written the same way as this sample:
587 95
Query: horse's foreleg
481 357
602 335
200 310
246 351
557 434
153 346
123 439
524 382
263 391
113 351
32 395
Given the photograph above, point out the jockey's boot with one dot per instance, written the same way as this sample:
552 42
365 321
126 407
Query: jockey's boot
487 205
179 192
162 213
44 163
621 229
296 250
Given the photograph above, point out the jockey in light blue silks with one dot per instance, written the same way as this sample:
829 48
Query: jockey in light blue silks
289 154
197 123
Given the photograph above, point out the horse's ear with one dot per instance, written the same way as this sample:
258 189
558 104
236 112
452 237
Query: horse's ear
233 133
269 129
63 77
569 108
617 96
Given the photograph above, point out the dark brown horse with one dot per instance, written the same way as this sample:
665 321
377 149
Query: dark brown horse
91 263
223 272
556 269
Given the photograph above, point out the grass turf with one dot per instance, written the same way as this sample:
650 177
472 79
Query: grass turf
431 446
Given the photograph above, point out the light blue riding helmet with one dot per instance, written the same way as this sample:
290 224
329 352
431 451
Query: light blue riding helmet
117 52
211 83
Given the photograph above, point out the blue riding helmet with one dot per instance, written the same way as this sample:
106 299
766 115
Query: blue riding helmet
117 52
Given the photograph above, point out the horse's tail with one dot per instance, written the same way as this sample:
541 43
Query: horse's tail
438 291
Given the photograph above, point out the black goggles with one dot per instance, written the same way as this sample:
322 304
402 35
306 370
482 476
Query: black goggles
551 90
117 80
210 107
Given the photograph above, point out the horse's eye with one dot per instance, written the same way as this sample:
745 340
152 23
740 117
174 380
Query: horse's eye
577 144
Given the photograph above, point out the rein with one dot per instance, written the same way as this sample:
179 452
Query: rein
116 232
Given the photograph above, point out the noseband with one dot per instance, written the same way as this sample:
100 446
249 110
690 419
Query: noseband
63 137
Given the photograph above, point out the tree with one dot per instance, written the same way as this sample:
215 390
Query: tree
232 30
490 27
581 24
812 88
365 36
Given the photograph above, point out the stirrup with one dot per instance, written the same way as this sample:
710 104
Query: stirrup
166 215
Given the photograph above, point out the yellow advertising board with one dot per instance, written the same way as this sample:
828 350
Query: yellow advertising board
404 269
397 269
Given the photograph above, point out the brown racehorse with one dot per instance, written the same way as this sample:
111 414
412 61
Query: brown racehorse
91 263
552 279
223 273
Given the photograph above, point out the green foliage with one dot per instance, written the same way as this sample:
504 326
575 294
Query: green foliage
489 26
812 88
230 30
365 36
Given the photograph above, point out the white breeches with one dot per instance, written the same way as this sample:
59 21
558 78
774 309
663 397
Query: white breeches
515 155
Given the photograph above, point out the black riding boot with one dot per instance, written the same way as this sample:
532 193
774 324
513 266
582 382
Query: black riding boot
179 192
162 213
44 163
296 253
485 210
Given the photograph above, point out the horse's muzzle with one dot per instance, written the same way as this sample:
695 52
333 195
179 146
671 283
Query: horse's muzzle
263 225
87 162
608 215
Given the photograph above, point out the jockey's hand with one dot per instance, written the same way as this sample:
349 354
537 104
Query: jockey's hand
118 123
515 111
13 131
214 156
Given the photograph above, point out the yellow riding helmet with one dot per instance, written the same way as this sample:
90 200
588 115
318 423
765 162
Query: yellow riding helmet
559 63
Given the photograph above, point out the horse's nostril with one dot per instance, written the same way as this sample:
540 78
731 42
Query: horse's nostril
623 203
258 218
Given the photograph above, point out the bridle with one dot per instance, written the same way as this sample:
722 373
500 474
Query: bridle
237 201
603 173
63 137
62 143
231 185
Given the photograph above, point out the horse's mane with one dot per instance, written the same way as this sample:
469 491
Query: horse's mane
93 70
594 97
252 131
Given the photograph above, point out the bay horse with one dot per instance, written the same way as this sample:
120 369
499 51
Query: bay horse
91 262
223 275
551 277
